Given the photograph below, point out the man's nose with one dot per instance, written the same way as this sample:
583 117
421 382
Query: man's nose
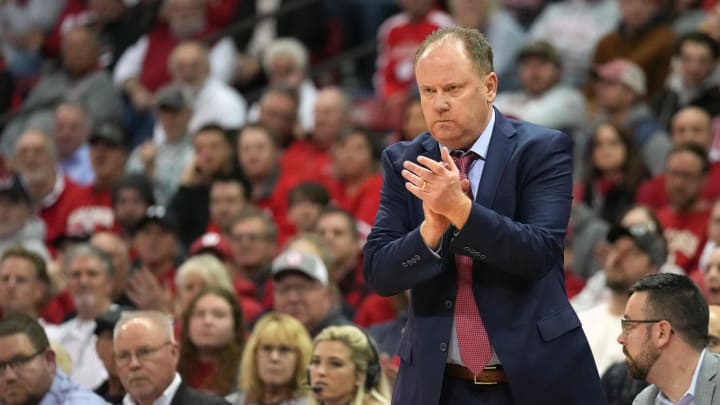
440 102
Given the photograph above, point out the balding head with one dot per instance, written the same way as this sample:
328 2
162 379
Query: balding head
80 50
692 125
332 114
189 64
35 159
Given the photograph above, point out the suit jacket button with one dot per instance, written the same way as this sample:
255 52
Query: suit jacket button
404 264
448 304
417 257
443 346
482 257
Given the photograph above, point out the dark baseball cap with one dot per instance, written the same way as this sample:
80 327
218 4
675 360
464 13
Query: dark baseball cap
159 215
645 237
173 98
108 133
106 321
11 186
540 49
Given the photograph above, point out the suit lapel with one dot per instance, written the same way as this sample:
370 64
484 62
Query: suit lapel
499 151
707 381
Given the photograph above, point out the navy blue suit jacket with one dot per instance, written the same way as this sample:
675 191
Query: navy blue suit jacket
515 235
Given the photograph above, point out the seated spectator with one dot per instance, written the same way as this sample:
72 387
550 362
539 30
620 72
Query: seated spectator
542 99
79 78
634 252
643 36
574 28
305 203
71 130
111 389
412 123
213 100
254 242
119 252
229 197
500 28
146 355
303 290
693 78
274 363
685 218
162 161
89 275
278 111
108 157
664 335
17 224
211 341
155 241
24 284
258 155
53 194
30 372
613 172
619 90
356 160
690 125
713 232
131 196
345 368
213 159
711 277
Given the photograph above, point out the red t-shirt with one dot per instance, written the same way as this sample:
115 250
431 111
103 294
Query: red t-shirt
653 194
686 234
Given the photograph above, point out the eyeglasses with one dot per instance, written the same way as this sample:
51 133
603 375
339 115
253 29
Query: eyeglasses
625 324
282 350
301 289
122 359
17 363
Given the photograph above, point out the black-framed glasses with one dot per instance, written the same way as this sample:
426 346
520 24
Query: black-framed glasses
18 362
625 324
142 354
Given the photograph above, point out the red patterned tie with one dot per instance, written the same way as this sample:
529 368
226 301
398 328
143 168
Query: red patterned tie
473 341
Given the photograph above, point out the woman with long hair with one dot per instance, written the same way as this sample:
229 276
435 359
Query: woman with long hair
211 342
273 364
345 369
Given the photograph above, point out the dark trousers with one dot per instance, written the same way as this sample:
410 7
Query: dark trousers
458 391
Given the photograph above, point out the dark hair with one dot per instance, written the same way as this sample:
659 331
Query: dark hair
217 128
699 38
26 325
254 212
694 149
284 90
633 169
371 140
676 299
225 371
478 48
349 218
35 259
309 191
137 182
272 135
236 178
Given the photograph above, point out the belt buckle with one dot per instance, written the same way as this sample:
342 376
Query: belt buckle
476 382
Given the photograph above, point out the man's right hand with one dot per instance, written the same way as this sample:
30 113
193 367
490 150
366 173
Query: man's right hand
433 228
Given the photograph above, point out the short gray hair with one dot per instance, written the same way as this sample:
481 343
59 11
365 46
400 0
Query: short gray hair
88 250
160 320
476 45
286 46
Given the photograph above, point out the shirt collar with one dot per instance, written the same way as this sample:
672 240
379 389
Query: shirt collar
482 143
690 393
58 188
163 399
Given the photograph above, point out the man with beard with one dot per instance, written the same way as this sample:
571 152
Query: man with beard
664 334
635 251
89 281
28 370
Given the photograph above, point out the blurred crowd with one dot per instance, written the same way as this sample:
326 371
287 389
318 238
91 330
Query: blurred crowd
184 190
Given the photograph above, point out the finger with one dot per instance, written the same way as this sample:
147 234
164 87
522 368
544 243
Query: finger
413 178
433 165
417 169
415 190
447 159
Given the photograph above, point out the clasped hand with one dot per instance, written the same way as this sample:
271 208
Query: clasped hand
438 186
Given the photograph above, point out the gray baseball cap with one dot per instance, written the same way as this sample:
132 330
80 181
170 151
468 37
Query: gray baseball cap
645 237
302 262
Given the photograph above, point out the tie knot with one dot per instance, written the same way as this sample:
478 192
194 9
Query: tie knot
463 160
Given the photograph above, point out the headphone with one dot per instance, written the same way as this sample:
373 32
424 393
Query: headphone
374 370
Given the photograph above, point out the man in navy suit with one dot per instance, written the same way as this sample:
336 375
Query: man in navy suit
501 250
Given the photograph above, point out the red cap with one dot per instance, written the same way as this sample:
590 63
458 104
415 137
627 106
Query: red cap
212 243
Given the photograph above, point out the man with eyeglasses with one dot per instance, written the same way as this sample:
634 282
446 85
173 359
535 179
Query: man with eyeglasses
146 356
634 252
664 338
28 370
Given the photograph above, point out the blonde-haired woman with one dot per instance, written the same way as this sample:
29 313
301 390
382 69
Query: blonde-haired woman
272 370
345 369
197 273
